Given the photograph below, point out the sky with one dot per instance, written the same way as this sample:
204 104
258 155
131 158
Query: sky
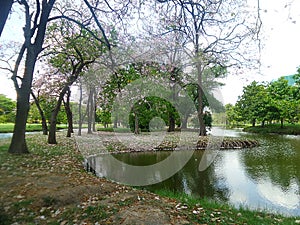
280 47
279 56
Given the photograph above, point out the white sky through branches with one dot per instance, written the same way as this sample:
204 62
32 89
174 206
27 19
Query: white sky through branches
280 46
279 56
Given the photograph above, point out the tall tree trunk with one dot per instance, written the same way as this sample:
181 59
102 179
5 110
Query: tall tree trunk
71 80
5 8
43 118
53 122
281 122
80 111
171 122
172 110
202 129
253 122
116 121
95 111
90 111
53 119
94 121
184 122
69 114
32 49
18 142
136 124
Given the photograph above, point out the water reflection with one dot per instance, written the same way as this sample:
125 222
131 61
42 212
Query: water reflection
288 198
265 177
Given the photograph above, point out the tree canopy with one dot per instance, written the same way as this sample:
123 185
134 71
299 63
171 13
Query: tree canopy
7 109
267 102
193 42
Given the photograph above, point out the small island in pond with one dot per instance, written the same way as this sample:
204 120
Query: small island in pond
172 141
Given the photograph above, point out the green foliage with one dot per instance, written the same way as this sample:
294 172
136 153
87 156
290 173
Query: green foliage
272 102
207 120
103 117
252 104
293 129
75 45
132 72
232 115
150 108
9 127
47 105
146 108
207 211
7 109
297 77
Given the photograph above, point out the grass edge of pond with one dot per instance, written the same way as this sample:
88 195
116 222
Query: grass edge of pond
239 216
288 129
215 211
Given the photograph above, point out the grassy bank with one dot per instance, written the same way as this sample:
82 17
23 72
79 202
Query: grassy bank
206 211
50 186
9 127
293 129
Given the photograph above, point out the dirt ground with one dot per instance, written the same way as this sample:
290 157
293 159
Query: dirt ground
53 188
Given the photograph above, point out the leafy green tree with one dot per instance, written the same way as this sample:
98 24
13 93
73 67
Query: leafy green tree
7 109
281 95
211 34
297 77
47 106
252 105
132 72
232 115
36 19
276 101
74 50
149 108
103 117
37 16
208 100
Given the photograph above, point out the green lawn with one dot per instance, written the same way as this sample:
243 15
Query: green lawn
9 127
206 211
46 161
293 129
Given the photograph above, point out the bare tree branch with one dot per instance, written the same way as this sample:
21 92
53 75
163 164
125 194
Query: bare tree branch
99 25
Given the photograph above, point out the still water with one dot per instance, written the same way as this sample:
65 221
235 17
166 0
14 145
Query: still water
5 135
265 177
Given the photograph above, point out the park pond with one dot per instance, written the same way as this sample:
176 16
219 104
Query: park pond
9 135
265 177
5 135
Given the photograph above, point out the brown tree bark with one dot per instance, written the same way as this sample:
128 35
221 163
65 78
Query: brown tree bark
202 129
33 28
69 114
43 118
90 111
184 122
171 122
53 119
136 124
80 119
18 143
95 111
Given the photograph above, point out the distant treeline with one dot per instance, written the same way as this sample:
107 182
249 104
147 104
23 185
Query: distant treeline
267 103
